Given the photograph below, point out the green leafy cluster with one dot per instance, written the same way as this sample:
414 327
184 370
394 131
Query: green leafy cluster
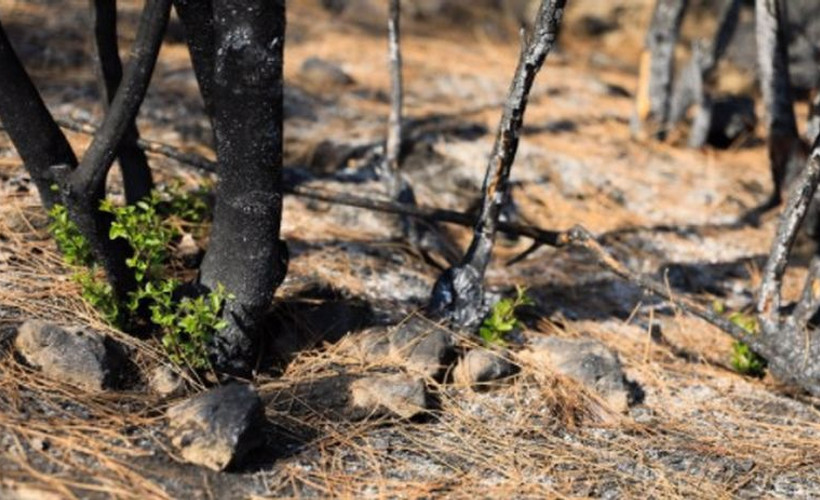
145 231
188 325
190 206
744 360
77 254
502 318
74 247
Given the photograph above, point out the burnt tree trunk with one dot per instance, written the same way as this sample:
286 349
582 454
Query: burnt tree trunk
136 174
787 152
657 68
245 253
37 138
458 295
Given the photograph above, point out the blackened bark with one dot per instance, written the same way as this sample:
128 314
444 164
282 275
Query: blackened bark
37 138
458 295
245 254
83 189
136 174
658 67
786 150
197 16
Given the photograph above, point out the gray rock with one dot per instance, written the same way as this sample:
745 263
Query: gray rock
422 346
321 73
402 395
73 355
588 362
217 428
480 366
166 382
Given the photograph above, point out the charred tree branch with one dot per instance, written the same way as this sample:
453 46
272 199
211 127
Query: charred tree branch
458 294
769 301
136 175
394 127
197 17
37 138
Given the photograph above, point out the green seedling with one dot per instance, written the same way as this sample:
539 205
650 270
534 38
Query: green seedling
502 319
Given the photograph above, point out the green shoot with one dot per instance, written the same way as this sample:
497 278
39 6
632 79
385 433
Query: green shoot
502 320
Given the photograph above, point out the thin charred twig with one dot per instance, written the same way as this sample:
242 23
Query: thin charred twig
428 214
496 180
768 305
37 138
786 150
83 188
394 126
578 236
136 175
458 294
193 160
657 67
397 187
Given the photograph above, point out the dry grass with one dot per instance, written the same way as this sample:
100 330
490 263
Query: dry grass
701 431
